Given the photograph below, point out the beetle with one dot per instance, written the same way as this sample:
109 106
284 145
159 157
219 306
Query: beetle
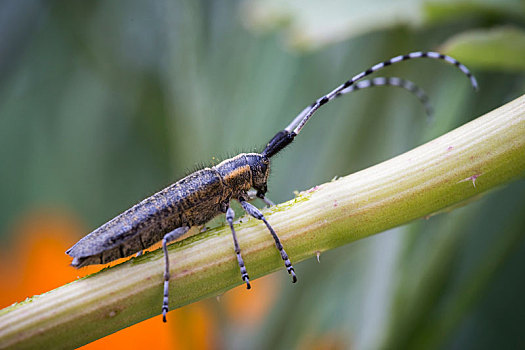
206 193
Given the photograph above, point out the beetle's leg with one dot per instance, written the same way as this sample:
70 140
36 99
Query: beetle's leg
168 237
256 213
230 214
252 194
265 200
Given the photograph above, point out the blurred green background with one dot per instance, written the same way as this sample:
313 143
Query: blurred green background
104 103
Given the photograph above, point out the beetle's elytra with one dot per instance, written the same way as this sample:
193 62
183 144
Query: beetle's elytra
206 193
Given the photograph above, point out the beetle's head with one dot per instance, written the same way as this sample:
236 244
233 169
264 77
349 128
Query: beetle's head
260 168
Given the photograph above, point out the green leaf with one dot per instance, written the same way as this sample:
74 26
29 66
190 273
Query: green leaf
501 48
444 10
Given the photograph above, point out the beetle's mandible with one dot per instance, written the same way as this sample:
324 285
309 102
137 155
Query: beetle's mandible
204 194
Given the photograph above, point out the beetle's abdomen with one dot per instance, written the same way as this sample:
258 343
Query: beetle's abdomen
193 200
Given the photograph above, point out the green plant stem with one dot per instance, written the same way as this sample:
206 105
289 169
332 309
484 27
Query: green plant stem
464 163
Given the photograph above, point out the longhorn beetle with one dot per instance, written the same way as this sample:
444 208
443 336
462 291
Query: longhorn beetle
204 194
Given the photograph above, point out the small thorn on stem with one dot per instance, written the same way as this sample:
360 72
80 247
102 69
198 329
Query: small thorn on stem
472 178
318 253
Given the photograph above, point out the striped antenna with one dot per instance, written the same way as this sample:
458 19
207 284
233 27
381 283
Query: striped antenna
297 124
284 137
380 81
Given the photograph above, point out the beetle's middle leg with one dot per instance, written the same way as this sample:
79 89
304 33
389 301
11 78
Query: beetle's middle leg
168 237
230 214
256 213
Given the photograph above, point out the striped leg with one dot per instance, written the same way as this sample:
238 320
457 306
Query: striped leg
256 213
169 237
230 214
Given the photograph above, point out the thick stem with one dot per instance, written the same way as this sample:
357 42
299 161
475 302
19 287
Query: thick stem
464 163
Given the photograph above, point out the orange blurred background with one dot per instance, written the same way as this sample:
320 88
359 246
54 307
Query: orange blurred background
34 262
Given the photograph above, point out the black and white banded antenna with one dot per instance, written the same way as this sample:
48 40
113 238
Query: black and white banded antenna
284 137
380 81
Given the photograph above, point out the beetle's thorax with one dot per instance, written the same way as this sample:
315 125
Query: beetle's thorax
244 171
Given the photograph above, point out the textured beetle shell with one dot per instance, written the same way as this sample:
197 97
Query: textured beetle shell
193 200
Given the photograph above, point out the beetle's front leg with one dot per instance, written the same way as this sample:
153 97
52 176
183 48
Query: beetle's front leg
252 194
256 213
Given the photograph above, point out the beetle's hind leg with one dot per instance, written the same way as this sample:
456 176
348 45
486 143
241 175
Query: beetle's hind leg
168 237
230 214
256 213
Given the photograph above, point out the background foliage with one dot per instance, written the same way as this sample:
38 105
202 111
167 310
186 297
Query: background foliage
104 103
